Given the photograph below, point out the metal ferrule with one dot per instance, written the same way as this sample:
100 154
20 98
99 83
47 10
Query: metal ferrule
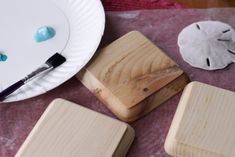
35 73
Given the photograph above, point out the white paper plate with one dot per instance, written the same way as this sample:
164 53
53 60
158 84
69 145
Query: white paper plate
79 26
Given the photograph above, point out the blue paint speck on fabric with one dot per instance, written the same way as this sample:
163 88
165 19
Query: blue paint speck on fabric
3 57
44 33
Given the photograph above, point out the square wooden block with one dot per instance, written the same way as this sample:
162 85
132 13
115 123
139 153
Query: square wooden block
70 130
132 76
204 123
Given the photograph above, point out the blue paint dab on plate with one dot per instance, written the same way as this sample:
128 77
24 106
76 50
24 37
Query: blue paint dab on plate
44 33
3 57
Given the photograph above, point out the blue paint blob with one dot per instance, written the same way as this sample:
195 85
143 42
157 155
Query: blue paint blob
44 33
3 57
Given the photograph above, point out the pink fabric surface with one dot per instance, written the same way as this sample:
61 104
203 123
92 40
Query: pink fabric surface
160 26
121 5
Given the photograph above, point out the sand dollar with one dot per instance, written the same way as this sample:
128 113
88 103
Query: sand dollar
207 45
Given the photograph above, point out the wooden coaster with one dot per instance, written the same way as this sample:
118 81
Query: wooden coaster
204 123
131 76
69 130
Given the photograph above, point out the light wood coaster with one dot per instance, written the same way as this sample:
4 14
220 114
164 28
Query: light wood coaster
204 123
132 76
70 130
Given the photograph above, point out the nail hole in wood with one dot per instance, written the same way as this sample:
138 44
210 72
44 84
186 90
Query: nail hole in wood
145 89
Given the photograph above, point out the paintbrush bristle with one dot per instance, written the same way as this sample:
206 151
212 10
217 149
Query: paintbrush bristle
56 60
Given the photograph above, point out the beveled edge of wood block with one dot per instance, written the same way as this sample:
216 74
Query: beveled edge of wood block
131 114
125 142
34 130
122 149
157 98
172 146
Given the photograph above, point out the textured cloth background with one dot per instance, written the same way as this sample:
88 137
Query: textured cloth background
120 5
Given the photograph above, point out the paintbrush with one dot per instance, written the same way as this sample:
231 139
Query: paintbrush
52 63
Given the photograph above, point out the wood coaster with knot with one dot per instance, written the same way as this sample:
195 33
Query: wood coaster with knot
132 76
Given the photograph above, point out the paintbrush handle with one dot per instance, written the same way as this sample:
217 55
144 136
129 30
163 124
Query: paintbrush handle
37 72
53 62
20 83
11 89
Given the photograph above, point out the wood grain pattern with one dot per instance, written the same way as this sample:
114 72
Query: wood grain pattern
127 72
204 123
69 130
207 3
